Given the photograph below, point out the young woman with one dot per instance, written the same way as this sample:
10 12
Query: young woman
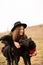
17 32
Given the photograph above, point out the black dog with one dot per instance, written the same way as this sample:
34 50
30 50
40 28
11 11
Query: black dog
13 54
29 49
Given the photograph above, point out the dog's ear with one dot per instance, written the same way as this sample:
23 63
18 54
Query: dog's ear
30 38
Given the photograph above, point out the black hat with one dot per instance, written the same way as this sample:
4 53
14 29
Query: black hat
18 23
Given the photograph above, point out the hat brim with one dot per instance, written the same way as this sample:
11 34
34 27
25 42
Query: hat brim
24 25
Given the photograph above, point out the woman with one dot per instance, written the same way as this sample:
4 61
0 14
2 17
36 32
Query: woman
17 33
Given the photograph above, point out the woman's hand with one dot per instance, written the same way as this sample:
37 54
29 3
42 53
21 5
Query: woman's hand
17 44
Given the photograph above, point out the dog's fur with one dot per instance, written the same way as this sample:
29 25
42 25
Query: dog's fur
13 54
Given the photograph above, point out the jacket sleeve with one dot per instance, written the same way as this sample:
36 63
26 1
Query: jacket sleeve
7 40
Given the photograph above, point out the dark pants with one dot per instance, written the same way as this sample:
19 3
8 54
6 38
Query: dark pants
6 53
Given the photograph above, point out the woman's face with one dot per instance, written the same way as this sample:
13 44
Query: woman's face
21 30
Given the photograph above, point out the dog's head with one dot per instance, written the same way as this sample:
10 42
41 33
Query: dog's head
30 44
